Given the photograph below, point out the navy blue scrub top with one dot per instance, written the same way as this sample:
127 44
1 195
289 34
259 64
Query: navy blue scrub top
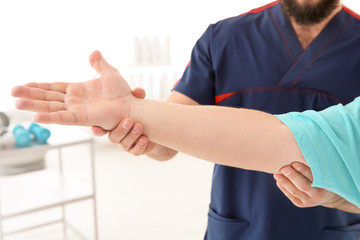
255 61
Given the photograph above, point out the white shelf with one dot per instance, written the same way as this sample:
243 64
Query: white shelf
40 190
60 137
34 191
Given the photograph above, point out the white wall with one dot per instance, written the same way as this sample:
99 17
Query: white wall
47 40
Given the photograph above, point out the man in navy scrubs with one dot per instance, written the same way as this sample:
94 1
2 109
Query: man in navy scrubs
291 55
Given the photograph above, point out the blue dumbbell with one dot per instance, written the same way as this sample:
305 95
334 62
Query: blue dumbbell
41 134
22 137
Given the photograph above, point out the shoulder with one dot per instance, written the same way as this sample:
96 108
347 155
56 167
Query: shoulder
243 21
352 13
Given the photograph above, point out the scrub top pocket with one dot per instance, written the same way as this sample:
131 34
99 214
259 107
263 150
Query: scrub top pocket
351 232
220 227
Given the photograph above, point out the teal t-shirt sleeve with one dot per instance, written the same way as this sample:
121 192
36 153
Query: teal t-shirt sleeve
330 143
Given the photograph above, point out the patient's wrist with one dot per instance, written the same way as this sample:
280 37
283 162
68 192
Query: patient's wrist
133 107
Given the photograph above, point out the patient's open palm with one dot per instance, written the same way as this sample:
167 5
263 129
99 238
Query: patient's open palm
100 102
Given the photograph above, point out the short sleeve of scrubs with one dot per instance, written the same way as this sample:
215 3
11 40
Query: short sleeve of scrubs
330 143
198 80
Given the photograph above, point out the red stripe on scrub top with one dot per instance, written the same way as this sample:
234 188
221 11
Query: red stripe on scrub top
259 9
176 83
351 12
180 78
222 97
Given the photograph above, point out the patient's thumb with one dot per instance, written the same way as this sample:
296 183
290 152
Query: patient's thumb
100 65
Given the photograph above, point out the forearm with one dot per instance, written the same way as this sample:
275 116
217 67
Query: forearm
234 137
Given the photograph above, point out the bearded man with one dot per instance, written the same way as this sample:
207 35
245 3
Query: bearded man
290 55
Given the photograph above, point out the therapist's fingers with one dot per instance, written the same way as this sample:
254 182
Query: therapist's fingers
142 146
131 138
291 188
139 147
98 131
296 201
138 92
296 183
121 130
304 170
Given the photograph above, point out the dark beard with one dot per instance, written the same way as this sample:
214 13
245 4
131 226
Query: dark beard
308 14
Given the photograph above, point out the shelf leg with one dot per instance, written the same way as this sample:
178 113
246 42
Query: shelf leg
1 219
60 160
63 219
63 210
1 230
92 145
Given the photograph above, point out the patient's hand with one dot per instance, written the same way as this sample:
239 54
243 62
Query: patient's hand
103 102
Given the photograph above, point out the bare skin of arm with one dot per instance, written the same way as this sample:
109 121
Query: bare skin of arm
129 136
293 180
216 136
160 152
234 137
241 138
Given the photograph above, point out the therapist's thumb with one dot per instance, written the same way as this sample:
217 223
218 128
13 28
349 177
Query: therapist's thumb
139 92
100 65
98 131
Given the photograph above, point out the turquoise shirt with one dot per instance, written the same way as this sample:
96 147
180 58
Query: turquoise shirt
330 143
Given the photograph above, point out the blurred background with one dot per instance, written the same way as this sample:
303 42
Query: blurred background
150 42
46 40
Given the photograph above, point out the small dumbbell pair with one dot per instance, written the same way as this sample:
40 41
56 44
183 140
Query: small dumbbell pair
24 137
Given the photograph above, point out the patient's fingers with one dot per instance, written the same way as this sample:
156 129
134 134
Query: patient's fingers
37 93
61 117
39 106
57 86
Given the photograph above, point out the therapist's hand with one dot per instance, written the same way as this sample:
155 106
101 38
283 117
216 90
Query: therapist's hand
128 135
103 102
295 182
